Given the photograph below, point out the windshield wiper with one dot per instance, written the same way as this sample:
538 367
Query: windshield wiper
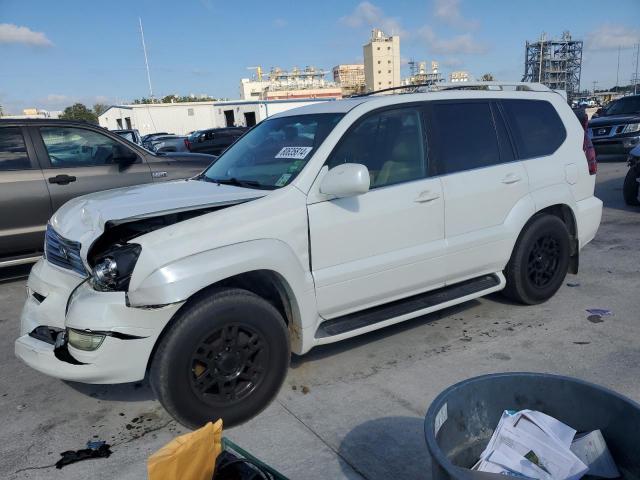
239 183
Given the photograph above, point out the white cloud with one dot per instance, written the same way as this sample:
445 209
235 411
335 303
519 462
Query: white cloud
459 44
10 33
609 37
366 14
280 23
54 98
451 62
448 11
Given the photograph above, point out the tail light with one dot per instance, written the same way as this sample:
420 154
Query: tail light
590 153
187 144
587 148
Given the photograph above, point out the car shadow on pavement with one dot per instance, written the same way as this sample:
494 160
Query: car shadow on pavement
328 350
388 447
122 392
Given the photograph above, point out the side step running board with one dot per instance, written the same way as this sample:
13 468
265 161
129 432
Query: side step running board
380 313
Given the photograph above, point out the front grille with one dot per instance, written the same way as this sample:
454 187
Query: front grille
62 252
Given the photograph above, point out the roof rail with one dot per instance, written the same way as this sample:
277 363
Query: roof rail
434 87
518 86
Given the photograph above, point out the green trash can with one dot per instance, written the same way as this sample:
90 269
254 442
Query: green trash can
461 420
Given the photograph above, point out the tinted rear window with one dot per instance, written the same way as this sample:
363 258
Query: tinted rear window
463 136
536 127
13 152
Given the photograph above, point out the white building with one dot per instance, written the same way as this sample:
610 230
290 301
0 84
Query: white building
459 76
183 118
296 83
382 61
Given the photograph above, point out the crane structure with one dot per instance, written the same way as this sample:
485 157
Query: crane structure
554 63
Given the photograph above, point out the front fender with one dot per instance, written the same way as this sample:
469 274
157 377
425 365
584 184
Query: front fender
179 280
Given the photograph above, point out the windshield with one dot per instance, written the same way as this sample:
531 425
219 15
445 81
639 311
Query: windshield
624 106
272 153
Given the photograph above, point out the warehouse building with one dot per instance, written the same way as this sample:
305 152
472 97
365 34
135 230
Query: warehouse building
184 118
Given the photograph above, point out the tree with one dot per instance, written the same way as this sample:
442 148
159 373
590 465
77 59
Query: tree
99 109
79 112
487 77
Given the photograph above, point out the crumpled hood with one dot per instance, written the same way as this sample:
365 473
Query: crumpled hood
82 219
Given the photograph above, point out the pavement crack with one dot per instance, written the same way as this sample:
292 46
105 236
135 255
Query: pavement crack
26 469
328 445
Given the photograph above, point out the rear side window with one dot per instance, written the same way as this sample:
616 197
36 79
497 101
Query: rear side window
13 151
536 127
463 136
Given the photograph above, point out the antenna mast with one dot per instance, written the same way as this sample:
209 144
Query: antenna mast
146 61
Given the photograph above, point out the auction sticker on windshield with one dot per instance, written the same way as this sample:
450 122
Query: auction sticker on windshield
294 152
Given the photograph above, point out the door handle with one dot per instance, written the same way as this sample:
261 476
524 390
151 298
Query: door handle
511 178
62 179
159 174
427 196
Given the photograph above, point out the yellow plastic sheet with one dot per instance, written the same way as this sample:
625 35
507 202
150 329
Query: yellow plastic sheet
188 457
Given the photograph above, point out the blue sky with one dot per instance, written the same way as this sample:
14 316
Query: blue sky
53 53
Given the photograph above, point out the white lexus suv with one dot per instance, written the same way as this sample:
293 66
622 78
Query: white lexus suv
319 224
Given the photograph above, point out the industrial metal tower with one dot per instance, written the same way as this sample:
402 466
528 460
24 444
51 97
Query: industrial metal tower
554 63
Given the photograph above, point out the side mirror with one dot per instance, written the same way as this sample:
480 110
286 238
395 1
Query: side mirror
346 180
123 156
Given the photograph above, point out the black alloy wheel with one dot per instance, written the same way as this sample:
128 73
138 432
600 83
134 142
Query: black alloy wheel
225 354
229 364
539 261
544 260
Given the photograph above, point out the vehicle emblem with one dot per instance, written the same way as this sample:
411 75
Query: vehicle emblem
64 253
602 131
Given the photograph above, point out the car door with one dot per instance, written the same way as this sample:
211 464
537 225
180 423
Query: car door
79 160
25 207
482 183
387 243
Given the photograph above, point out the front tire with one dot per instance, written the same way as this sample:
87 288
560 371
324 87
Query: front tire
630 188
539 262
225 356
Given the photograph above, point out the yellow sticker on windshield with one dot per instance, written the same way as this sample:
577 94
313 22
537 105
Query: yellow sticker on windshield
284 178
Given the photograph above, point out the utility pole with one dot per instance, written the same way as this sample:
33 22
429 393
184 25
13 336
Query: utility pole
618 68
594 86
146 61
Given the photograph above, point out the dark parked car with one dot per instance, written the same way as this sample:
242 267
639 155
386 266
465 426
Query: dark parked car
147 139
44 163
168 143
617 130
132 135
213 140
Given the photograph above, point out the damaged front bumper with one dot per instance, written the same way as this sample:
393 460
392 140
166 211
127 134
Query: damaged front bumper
60 300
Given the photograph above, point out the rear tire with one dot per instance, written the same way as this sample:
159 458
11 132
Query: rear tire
225 356
539 262
630 188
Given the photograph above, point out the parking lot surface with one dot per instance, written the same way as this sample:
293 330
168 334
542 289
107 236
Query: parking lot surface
353 409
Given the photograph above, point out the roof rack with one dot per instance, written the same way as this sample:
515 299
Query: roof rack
435 87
